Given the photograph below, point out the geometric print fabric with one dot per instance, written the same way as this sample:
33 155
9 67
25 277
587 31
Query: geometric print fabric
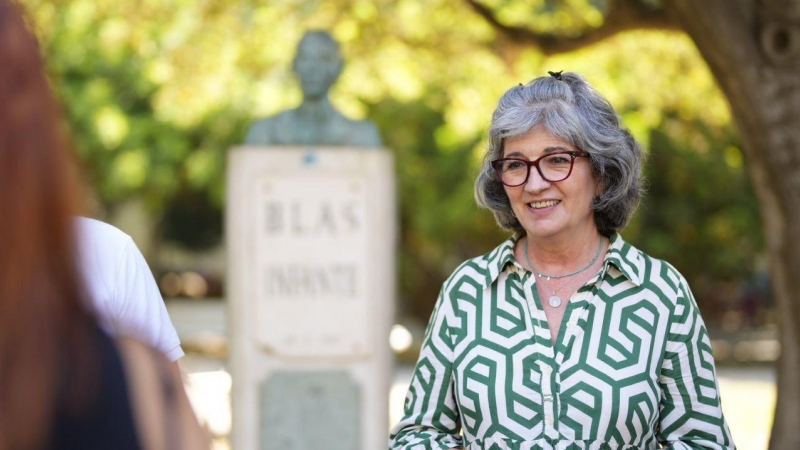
632 367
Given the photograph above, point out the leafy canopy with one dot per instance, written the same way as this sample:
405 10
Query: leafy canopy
156 91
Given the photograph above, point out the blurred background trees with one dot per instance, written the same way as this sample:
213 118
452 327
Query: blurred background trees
156 92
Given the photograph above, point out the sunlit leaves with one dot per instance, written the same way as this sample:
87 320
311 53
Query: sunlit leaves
700 213
129 170
80 15
565 18
733 157
645 73
157 90
114 37
201 166
111 126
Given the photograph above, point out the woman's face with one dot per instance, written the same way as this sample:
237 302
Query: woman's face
546 209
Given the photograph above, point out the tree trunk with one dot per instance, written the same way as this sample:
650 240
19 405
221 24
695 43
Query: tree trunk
753 49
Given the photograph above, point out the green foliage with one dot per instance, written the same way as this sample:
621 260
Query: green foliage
157 91
566 17
700 213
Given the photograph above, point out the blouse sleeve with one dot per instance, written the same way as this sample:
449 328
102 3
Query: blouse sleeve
140 311
690 411
430 419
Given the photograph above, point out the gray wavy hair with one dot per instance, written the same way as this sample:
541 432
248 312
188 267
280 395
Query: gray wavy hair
572 110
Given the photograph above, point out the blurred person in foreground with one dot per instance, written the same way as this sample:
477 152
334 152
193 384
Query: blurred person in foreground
64 384
564 336
121 288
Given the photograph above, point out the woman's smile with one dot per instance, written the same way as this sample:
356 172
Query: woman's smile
543 204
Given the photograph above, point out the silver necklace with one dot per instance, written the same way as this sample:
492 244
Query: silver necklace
542 275
554 300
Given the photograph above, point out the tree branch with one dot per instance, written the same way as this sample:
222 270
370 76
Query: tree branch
623 15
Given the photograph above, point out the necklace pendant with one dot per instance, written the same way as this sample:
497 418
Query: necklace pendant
554 301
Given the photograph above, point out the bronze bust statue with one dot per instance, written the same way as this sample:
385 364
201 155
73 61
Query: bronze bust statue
317 64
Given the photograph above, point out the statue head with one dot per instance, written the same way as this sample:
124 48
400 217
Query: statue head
317 63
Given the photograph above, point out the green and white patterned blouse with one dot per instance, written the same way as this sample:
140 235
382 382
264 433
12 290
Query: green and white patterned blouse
632 367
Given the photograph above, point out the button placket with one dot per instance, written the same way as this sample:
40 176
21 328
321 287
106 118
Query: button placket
548 400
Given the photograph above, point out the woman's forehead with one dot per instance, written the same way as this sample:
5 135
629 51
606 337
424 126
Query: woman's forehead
536 137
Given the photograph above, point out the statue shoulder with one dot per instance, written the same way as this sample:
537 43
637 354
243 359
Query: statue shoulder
364 133
264 131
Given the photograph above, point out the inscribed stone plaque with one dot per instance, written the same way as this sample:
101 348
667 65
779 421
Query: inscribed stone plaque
311 238
311 247
310 410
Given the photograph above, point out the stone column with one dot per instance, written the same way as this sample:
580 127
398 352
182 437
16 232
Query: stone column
311 235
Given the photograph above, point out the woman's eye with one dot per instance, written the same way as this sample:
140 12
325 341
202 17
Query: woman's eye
557 160
515 165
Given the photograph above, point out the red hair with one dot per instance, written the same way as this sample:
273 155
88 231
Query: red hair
42 317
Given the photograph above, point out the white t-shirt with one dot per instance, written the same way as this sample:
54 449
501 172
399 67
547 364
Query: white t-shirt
122 289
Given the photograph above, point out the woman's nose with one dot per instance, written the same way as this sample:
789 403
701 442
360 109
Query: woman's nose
535 181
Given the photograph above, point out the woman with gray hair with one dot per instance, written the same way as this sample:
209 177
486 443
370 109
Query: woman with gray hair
564 336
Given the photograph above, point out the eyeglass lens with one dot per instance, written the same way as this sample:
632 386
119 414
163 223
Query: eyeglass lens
555 167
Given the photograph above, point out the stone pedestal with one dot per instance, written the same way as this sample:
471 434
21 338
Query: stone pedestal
310 286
